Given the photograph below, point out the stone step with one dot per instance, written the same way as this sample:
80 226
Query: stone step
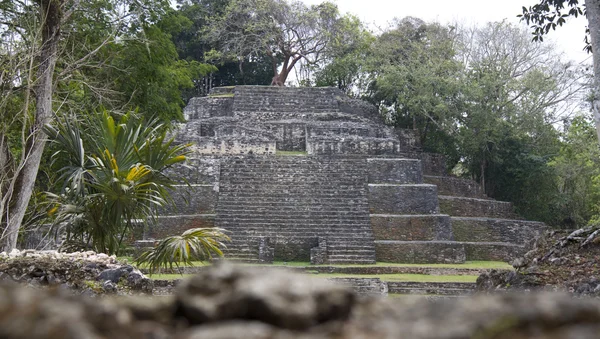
473 207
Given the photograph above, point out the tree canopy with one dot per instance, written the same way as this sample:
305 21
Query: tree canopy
285 32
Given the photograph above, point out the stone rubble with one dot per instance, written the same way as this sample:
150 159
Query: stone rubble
243 302
88 272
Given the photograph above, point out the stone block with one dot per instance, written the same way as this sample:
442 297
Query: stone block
495 230
394 171
403 199
420 252
318 255
266 253
411 227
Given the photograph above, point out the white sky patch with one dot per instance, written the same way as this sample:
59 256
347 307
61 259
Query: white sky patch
379 13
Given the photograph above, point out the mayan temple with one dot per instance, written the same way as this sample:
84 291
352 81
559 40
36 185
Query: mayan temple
309 174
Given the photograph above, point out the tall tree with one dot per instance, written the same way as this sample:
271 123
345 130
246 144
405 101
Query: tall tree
17 193
39 58
514 91
345 64
285 32
415 79
548 14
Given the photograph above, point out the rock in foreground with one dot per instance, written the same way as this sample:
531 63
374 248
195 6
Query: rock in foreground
242 302
81 272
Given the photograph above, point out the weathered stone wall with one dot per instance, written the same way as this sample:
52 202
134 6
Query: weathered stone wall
411 227
409 139
165 226
433 164
420 252
289 136
493 251
341 145
192 199
365 286
495 230
403 199
212 146
392 170
473 207
452 288
454 186
208 107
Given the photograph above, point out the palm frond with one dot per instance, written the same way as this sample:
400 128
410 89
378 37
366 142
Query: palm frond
196 244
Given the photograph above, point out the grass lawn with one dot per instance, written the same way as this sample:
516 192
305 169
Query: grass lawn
229 95
384 277
406 277
468 264
169 276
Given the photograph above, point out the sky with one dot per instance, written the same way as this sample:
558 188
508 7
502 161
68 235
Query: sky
378 13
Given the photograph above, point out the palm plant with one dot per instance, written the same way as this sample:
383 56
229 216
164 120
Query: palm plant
196 244
114 177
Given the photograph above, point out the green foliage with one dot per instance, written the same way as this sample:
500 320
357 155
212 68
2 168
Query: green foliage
155 78
549 14
345 64
484 97
417 81
114 177
578 170
285 32
196 244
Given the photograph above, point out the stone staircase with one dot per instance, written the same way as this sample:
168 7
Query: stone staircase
295 201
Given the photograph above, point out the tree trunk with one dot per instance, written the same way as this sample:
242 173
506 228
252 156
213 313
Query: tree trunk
279 79
593 16
51 15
